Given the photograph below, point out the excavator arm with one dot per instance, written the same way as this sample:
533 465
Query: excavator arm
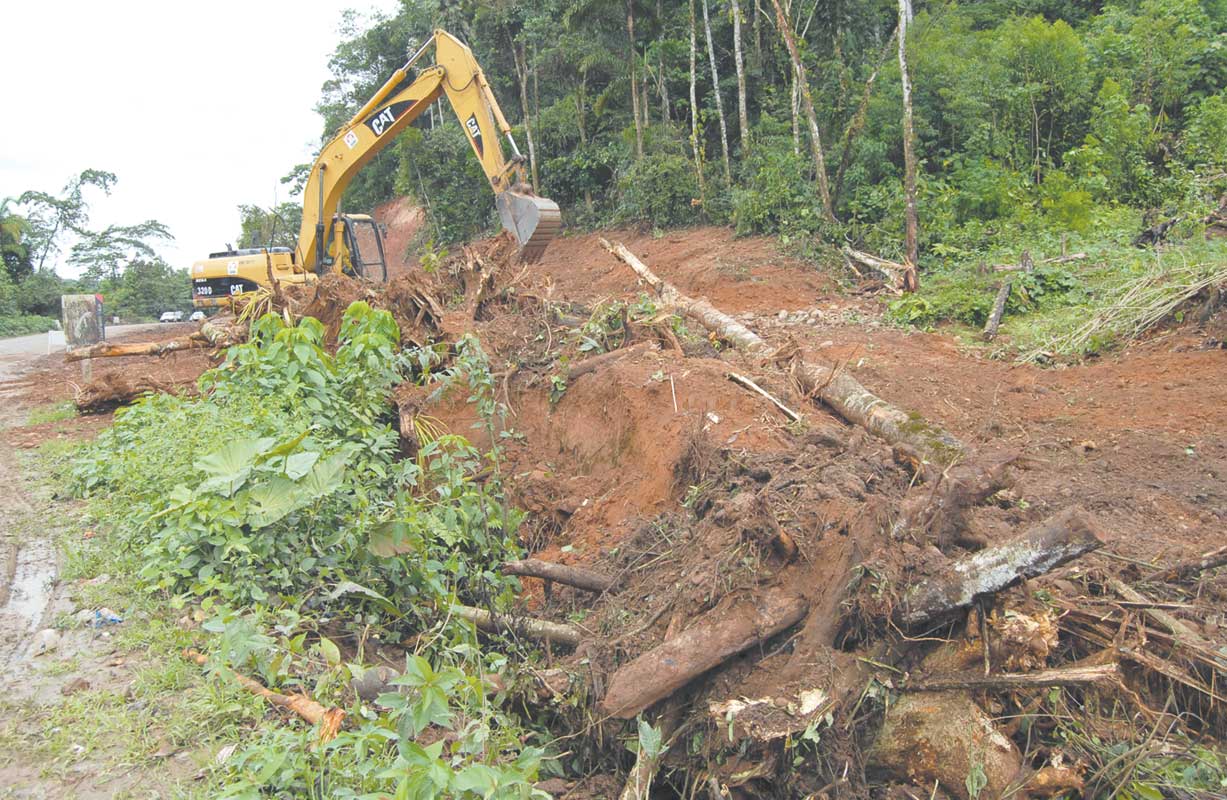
534 221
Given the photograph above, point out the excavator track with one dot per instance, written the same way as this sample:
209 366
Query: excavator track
534 221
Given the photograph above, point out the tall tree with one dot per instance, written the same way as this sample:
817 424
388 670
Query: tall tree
807 101
715 85
14 242
630 33
103 253
743 117
522 77
694 106
910 281
52 217
857 123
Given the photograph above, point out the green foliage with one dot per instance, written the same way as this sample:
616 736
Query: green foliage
1205 137
277 501
25 325
437 168
1121 142
659 190
775 194
273 227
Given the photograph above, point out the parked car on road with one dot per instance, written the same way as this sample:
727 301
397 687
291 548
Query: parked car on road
171 316
197 316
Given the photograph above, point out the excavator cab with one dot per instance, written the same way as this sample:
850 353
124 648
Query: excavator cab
357 247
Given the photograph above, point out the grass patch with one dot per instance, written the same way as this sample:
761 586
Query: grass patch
52 412
1067 310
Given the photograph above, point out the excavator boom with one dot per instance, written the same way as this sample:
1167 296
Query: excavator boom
534 221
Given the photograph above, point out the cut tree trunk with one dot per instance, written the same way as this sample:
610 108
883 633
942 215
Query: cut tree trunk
715 85
1044 547
811 116
912 254
839 390
715 637
554 632
580 578
329 719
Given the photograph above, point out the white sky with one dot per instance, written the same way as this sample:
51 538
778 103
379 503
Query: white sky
196 107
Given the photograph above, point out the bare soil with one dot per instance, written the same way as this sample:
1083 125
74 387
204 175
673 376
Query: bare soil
658 469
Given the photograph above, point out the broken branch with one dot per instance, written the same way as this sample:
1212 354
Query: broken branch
329 719
754 387
1187 569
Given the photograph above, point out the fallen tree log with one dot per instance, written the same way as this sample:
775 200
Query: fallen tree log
839 390
1187 569
211 334
1071 676
545 630
329 719
121 349
713 638
1044 547
580 578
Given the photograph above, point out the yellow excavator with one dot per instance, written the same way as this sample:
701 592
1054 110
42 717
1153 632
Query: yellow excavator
329 241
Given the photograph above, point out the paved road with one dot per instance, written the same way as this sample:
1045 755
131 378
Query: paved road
17 353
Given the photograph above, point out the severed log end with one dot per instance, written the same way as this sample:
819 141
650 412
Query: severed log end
713 638
580 578
1044 547
553 632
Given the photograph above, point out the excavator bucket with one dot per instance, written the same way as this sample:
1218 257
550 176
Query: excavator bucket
534 221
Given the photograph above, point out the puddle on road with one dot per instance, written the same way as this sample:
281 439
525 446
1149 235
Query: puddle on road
29 594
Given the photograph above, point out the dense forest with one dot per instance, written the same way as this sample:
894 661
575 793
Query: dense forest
1033 122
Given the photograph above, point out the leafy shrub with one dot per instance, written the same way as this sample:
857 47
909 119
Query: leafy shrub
279 491
775 194
265 487
660 190
26 325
